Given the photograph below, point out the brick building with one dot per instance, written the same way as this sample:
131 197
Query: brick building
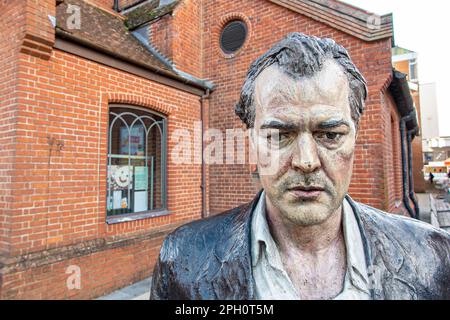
96 97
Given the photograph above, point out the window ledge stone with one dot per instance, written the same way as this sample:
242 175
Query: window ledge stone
136 216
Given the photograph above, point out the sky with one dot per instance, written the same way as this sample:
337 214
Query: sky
422 26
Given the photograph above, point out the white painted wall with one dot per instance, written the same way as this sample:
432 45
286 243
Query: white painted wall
429 111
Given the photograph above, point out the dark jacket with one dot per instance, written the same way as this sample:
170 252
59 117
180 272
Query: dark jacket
210 258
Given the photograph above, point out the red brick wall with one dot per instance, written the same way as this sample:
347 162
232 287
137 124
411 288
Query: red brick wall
161 36
178 36
268 23
187 37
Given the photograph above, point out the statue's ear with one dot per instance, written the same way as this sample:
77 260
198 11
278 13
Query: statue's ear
356 131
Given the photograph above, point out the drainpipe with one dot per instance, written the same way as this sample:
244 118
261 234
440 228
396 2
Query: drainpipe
203 185
411 134
405 160
116 6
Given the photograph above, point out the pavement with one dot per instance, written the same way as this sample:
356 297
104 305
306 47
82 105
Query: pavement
137 291
425 206
441 206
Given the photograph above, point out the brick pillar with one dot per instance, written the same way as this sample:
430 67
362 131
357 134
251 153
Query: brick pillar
26 29
38 31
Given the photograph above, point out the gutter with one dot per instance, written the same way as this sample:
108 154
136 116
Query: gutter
411 134
143 39
116 6
409 128
203 185
406 168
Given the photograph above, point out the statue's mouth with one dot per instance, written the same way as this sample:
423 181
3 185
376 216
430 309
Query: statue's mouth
306 192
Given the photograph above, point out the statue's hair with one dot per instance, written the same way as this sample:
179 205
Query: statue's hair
299 56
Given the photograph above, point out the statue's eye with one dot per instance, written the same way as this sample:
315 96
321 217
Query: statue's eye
331 139
332 135
279 138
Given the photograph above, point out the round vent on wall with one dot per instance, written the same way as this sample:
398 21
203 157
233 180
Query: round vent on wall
233 36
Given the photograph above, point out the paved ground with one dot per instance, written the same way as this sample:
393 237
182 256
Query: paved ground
443 211
441 204
424 205
138 291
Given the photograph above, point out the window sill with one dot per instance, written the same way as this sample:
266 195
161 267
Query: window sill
136 216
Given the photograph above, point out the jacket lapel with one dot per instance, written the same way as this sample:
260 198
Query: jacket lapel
234 278
385 258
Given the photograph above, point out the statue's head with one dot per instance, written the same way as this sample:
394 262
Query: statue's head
303 100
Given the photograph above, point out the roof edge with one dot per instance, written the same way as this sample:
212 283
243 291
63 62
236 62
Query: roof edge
401 93
346 18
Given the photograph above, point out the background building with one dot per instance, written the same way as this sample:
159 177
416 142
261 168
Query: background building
95 101
435 147
430 115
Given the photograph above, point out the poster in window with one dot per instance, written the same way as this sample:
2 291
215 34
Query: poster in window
140 201
140 178
117 199
134 144
120 177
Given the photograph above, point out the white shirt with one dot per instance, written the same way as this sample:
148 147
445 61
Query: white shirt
271 280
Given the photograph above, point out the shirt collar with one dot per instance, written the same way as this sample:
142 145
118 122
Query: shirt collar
356 261
261 238
260 235
262 241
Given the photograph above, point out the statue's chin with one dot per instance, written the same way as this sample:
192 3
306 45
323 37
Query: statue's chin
307 215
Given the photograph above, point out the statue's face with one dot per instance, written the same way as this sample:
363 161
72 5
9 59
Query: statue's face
311 158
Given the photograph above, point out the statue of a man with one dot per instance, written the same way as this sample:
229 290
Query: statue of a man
303 237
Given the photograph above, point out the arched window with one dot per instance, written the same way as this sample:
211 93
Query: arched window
136 161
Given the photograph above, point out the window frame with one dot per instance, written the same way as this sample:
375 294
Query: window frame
413 70
221 35
162 211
